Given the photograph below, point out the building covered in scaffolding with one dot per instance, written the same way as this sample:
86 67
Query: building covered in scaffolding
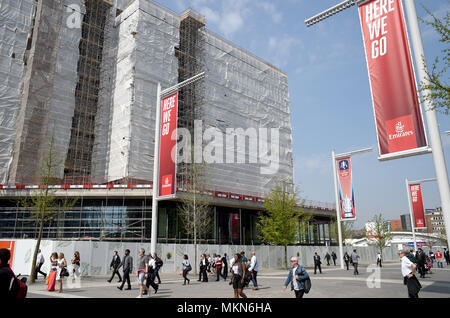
85 74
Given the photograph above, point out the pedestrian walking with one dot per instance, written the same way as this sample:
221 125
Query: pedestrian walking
244 259
346 259
225 266
62 271
447 256
410 280
432 257
297 277
327 257
158 263
39 262
127 268
186 269
254 270
379 259
151 275
115 264
218 264
203 269
420 261
411 256
142 271
334 257
76 261
438 255
212 264
428 264
317 263
209 259
239 271
8 291
355 257
53 271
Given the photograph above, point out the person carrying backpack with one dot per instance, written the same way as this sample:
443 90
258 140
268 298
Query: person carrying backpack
298 278
10 286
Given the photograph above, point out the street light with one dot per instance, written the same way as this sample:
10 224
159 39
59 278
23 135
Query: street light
430 111
159 95
408 183
335 156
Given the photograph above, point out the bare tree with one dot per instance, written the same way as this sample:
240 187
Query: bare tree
346 230
380 232
43 203
195 211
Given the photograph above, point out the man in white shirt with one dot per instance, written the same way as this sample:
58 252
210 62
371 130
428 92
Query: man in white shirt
408 270
254 270
39 261
150 281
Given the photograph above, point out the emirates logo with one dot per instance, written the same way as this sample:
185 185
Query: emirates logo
399 127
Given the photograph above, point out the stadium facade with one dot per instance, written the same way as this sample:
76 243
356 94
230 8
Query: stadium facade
86 73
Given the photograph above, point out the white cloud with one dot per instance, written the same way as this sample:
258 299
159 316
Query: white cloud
281 48
313 164
271 10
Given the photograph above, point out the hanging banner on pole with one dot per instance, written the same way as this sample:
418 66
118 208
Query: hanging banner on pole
345 184
398 115
417 205
167 162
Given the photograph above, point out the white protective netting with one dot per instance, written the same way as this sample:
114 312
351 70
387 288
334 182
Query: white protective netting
240 91
15 28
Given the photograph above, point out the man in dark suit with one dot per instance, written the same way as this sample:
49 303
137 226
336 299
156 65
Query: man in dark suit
420 260
225 266
203 267
127 264
115 263
317 263
446 256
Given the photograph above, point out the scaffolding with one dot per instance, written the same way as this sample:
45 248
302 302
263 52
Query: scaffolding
79 155
191 97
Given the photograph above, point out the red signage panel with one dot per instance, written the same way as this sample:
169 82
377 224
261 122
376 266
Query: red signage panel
397 111
417 205
168 143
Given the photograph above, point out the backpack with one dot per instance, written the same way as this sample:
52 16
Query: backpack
307 282
18 286
307 285
159 263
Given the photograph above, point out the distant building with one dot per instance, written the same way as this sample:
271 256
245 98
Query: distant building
406 222
434 220
395 225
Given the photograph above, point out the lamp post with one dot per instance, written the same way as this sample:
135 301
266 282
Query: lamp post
334 157
155 197
411 212
430 112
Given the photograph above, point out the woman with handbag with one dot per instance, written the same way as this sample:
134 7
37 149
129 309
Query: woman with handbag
76 264
53 272
186 269
62 271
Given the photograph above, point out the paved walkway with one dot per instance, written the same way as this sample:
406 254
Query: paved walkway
332 283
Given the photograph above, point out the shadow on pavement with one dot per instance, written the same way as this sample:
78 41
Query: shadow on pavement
438 287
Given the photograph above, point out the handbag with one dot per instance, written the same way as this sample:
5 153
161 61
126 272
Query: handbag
64 272
189 268
47 279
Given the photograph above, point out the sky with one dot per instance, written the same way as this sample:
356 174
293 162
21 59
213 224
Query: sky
330 101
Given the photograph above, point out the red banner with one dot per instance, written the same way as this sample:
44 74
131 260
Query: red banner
168 142
346 195
417 205
398 116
